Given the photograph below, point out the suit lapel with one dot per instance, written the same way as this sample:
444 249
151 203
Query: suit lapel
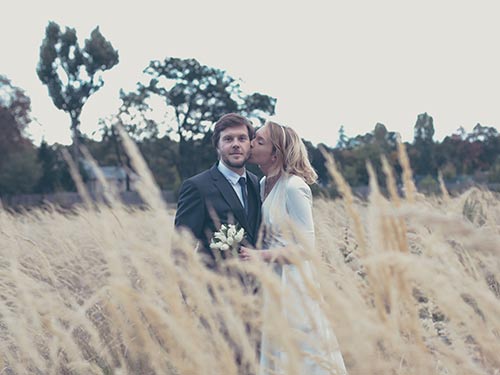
230 197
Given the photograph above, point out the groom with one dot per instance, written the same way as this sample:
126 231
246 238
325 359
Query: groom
226 193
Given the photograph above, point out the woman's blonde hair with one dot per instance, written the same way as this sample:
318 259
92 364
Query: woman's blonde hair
290 152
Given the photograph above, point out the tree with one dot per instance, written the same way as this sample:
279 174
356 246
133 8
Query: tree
482 133
197 96
19 169
110 151
15 108
161 155
423 155
343 138
71 73
424 129
367 147
318 161
494 174
489 138
380 134
54 175
20 172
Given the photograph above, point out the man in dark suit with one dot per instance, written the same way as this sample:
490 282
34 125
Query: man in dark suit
226 193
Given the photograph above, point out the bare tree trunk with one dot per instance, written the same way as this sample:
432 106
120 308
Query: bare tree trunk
76 138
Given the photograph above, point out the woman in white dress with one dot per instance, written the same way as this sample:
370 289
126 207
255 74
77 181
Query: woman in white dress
288 228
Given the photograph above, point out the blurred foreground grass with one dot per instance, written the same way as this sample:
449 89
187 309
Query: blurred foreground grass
410 286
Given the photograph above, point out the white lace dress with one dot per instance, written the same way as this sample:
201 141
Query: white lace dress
289 205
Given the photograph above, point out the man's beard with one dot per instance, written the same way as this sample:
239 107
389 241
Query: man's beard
237 164
240 164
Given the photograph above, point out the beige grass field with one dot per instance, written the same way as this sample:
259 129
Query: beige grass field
410 286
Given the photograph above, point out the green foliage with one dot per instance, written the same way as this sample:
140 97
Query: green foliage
71 73
161 155
429 185
343 139
15 108
105 152
469 153
55 174
198 95
19 172
318 161
449 171
201 94
494 175
359 150
424 129
422 155
19 169
489 140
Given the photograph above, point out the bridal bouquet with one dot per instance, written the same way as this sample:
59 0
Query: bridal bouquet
228 238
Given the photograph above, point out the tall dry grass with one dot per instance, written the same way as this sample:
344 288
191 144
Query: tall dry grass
409 285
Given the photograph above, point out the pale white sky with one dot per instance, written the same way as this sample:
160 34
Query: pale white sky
329 63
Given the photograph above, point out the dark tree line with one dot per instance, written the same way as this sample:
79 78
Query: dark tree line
25 168
473 156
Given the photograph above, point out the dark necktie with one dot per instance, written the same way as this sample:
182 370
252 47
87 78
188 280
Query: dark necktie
243 183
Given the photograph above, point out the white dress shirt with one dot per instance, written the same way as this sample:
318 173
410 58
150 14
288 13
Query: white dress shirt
233 179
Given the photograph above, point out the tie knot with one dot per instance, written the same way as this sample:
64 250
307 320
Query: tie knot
242 181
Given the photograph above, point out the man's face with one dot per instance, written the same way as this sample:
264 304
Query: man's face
234 146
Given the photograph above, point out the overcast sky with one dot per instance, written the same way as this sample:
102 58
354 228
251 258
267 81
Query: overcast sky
329 63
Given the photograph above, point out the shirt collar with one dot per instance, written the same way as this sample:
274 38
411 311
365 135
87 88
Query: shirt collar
232 176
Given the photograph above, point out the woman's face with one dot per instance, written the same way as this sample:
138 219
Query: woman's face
261 152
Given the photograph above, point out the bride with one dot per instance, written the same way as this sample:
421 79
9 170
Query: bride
287 199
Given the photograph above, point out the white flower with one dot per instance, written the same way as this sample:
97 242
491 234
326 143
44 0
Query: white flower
220 236
215 245
239 236
227 238
231 231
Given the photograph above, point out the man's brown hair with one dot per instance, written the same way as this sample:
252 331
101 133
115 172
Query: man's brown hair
230 120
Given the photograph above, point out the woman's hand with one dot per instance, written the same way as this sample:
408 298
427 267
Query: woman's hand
249 254
254 254
245 253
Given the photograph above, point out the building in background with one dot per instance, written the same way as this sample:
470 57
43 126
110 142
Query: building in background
117 178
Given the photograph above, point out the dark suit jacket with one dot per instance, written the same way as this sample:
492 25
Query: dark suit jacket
208 200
